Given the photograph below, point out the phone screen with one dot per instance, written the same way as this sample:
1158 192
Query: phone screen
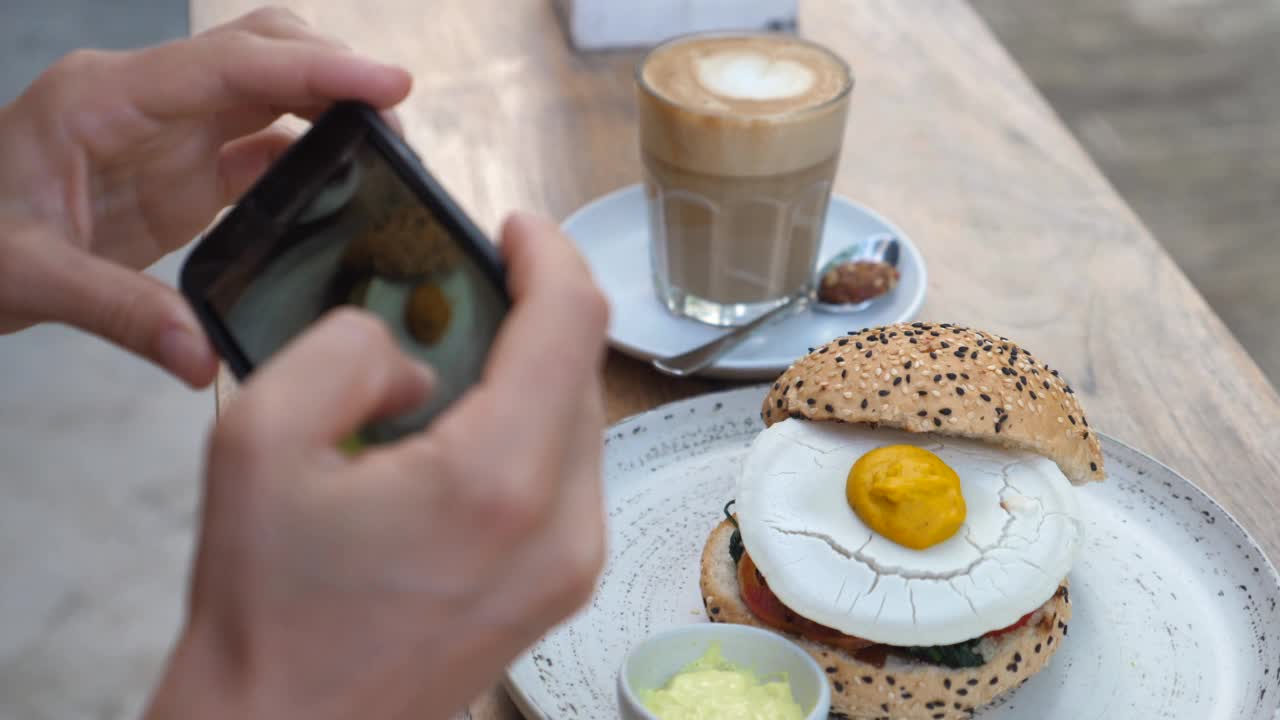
365 238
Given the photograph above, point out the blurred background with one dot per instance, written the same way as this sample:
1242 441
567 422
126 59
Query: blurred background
100 454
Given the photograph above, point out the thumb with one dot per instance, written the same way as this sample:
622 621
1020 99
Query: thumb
129 308
341 373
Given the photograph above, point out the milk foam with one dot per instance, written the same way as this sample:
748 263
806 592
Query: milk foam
752 76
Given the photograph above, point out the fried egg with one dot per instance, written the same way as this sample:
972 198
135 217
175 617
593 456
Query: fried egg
1019 538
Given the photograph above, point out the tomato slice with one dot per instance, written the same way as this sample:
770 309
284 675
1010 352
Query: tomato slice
1025 619
769 610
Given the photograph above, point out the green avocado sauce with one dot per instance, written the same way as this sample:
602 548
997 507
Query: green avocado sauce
712 688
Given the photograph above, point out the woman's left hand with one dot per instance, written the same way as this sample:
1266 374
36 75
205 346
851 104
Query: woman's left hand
113 159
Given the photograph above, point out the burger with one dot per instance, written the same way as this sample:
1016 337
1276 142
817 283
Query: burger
908 516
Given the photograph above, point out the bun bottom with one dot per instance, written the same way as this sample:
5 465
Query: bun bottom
903 689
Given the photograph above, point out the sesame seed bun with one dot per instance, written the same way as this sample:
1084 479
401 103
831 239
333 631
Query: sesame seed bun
404 243
903 689
944 379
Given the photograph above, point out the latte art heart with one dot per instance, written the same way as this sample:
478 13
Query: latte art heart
749 76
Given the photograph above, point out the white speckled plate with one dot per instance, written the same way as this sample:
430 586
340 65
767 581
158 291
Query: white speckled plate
613 234
1174 604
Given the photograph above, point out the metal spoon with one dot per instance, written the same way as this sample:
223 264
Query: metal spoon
877 248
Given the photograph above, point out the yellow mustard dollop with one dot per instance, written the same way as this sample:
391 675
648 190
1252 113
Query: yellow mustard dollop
712 688
906 494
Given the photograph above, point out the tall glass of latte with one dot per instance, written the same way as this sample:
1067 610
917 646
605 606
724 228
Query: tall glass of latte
740 136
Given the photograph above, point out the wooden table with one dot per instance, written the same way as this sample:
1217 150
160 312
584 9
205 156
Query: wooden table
1022 233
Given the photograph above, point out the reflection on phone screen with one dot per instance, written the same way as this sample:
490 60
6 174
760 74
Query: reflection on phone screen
365 239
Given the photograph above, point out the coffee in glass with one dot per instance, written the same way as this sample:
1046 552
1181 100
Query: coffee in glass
740 136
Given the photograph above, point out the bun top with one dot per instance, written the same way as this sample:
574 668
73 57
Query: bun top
941 378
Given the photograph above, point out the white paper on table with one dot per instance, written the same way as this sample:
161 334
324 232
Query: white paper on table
601 24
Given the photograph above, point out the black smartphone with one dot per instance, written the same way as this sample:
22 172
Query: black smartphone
349 215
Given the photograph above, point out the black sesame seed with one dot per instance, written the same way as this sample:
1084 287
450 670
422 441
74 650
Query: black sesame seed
922 413
945 411
1017 657
823 350
1046 384
959 353
922 393
889 679
799 384
866 679
937 422
908 378
961 692
840 358
1084 435
933 355
842 341
883 393
839 686
985 396
912 341
1072 418
937 378
960 391
994 680
828 408
1011 667
844 374
811 402
906 365
945 344
864 403
1036 648
972 682
905 695
1032 393
779 403
831 670
951 376
868 355
973 355
897 381
946 683
858 345
775 386
1093 466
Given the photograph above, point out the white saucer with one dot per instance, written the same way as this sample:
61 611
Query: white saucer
612 232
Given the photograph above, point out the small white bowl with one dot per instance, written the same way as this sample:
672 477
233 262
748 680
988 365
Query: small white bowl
653 662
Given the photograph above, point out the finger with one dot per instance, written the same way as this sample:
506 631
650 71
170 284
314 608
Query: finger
133 310
243 70
553 337
243 161
282 23
336 377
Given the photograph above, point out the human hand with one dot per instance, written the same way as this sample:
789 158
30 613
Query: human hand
113 159
399 582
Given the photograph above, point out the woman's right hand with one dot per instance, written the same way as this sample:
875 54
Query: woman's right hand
399 582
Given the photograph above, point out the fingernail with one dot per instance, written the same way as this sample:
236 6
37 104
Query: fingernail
427 375
181 351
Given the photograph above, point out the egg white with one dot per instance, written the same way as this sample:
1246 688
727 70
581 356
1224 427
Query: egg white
1019 539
